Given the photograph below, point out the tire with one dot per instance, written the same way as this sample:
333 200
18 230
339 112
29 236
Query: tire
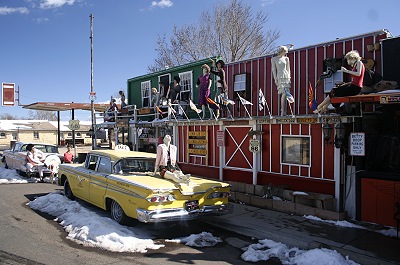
117 213
67 191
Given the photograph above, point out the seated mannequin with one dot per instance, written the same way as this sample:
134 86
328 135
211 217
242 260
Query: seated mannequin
166 162
35 158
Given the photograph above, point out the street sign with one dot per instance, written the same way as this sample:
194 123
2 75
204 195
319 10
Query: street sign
357 144
254 146
8 94
92 96
73 125
220 138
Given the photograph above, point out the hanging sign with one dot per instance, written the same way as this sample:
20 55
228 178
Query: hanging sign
7 92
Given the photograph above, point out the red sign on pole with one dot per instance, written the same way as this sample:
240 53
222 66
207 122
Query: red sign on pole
8 94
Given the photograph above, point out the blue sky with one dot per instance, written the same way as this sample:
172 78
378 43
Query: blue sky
45 45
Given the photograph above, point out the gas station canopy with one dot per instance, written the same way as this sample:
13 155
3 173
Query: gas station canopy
60 106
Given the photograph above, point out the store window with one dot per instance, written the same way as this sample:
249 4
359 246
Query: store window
35 135
146 88
296 150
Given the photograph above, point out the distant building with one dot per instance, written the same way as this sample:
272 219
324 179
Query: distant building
42 131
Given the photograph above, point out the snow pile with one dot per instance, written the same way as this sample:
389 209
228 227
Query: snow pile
390 231
266 249
10 176
204 239
90 229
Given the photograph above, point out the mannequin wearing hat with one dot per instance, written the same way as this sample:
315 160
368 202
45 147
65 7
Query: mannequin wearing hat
173 92
204 92
166 162
281 74
222 88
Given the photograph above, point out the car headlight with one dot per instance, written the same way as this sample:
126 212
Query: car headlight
162 198
215 195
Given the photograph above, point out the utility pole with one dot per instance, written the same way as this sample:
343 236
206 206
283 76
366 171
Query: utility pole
92 93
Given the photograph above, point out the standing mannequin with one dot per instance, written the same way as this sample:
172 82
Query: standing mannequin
204 92
347 89
122 94
222 87
281 73
166 162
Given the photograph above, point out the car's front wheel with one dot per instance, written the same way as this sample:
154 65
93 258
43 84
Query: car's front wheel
117 213
67 190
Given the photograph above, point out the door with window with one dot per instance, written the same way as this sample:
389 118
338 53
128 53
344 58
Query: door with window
98 181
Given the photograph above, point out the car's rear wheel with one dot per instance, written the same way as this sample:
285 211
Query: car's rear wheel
67 191
117 213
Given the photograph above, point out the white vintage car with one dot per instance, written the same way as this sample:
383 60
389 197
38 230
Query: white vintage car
15 158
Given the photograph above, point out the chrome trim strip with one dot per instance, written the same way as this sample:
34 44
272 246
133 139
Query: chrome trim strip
180 214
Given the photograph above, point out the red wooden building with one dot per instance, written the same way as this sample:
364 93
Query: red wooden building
258 147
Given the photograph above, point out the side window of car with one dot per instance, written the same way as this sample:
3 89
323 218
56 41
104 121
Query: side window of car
104 165
17 148
91 162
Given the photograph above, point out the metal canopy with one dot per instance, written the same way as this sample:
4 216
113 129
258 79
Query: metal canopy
60 106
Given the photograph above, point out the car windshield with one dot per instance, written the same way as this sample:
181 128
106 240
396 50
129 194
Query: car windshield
133 165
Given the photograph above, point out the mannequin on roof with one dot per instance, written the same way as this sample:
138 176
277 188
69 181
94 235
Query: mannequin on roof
352 88
281 73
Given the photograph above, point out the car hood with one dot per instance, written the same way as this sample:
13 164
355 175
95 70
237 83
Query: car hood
194 186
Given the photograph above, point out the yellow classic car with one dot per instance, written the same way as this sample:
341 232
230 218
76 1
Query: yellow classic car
123 182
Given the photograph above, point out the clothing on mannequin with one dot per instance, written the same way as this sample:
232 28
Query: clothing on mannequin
166 162
281 74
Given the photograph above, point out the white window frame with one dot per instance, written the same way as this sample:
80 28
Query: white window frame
297 155
239 82
146 88
186 83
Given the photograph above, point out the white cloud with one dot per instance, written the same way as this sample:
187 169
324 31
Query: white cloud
55 3
162 3
9 10
267 2
42 20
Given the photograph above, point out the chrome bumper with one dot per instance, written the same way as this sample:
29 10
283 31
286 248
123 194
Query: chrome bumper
181 214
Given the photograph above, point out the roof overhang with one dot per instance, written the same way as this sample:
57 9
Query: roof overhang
384 98
60 106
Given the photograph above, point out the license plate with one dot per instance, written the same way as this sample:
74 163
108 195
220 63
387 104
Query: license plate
192 205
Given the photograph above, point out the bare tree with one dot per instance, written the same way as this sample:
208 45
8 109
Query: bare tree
42 115
8 116
235 34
